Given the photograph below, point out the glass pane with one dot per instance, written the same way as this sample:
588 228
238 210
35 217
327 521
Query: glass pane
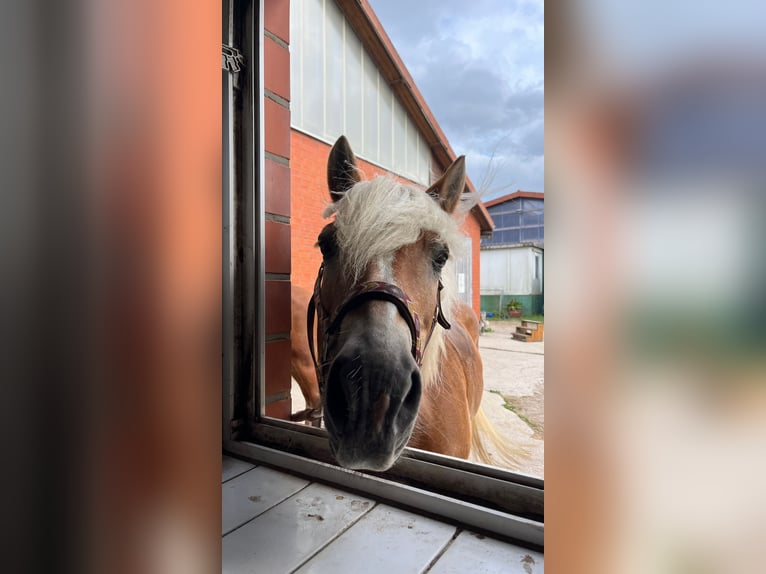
337 89
398 137
370 147
529 233
532 204
412 149
353 87
313 81
508 207
385 152
511 236
334 68
511 220
424 161
530 219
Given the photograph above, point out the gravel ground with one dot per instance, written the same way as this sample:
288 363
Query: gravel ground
513 393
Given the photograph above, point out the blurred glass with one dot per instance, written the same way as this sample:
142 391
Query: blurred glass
655 171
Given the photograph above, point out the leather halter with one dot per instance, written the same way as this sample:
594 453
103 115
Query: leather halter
362 293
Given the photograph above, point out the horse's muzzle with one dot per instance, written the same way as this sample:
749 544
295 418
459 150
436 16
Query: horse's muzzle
371 407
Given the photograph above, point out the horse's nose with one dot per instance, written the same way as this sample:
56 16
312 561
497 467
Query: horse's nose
369 394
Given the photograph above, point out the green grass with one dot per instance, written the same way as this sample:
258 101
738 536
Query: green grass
540 318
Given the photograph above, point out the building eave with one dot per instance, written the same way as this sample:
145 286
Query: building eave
514 195
540 246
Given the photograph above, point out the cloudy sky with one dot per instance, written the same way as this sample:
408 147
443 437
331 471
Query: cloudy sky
479 65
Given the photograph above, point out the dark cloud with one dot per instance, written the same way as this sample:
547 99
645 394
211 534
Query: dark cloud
534 141
479 66
528 101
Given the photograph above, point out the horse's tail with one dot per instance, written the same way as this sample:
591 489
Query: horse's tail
481 429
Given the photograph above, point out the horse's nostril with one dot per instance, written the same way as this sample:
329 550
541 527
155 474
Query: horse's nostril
412 399
343 375
337 403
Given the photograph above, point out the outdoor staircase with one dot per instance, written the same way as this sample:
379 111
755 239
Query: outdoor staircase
530 331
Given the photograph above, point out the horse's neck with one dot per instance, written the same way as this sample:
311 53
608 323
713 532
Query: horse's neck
429 371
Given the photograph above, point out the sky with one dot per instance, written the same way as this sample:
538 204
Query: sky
479 66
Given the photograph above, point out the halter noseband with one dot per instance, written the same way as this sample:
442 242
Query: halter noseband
362 293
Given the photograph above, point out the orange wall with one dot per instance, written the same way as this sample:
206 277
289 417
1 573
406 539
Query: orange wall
308 199
472 229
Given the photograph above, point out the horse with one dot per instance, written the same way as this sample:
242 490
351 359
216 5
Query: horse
396 354
301 364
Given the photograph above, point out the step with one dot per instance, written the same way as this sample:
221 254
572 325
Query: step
519 336
531 324
524 330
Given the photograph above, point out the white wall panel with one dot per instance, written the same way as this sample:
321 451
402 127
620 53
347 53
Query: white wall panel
337 89
510 270
334 85
312 96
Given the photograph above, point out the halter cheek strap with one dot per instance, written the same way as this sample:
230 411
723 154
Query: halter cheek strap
371 290
385 292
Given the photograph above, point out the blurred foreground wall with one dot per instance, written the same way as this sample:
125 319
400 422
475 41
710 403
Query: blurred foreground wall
655 398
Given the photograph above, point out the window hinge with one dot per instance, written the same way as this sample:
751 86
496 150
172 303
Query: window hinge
232 59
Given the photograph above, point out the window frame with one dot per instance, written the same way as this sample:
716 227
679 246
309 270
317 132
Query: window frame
506 504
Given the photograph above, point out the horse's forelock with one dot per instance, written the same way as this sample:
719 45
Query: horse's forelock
374 219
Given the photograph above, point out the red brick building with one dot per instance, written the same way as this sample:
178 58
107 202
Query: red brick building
330 69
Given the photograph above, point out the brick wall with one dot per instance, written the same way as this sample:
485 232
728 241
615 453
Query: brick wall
309 197
276 75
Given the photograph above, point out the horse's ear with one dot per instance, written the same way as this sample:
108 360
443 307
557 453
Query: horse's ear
342 172
449 187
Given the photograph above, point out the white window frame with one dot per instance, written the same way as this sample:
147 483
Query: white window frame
488 499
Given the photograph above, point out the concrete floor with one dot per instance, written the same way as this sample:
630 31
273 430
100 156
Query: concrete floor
514 377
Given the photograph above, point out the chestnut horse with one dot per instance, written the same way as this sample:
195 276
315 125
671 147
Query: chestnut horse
301 364
397 355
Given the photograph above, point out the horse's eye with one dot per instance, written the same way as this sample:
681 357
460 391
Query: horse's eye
327 245
441 254
327 249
